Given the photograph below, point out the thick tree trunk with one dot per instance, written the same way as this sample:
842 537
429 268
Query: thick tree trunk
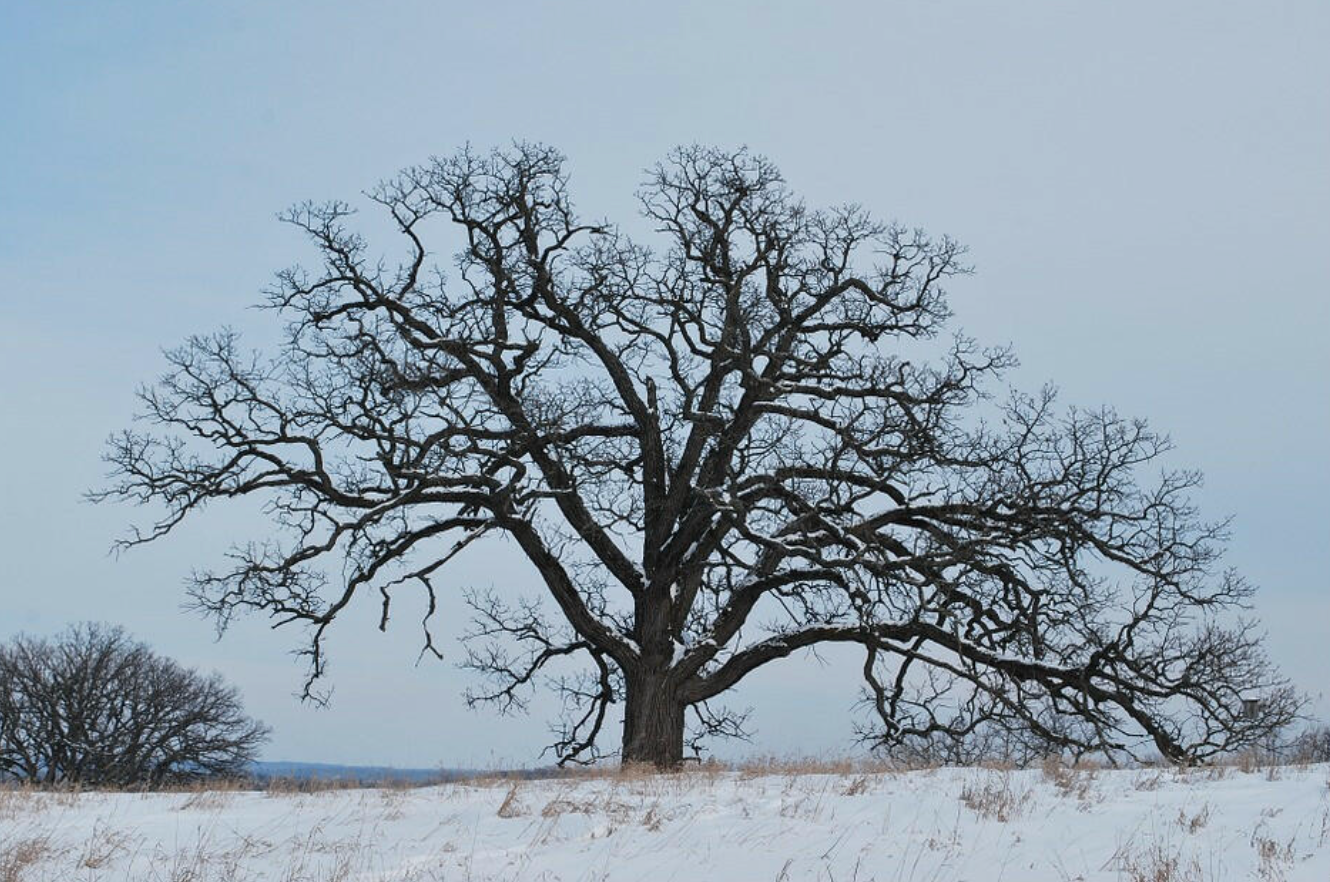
652 722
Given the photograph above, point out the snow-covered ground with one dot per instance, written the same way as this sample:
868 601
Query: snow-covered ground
944 824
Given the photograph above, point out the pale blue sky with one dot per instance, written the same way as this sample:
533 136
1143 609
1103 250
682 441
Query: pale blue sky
1144 187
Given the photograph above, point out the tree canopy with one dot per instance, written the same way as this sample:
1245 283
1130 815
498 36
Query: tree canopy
744 436
94 707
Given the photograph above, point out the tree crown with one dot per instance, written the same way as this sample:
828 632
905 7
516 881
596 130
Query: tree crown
750 439
93 706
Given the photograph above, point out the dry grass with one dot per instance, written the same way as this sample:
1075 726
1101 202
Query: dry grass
205 800
22 800
1072 780
1151 780
1266 762
654 818
754 767
694 774
15 802
1195 822
1255 761
17 857
1158 863
1274 859
994 797
511 807
857 785
315 786
563 805
102 847
802 765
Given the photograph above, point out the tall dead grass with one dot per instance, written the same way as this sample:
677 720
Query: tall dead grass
995 796
19 855
1158 862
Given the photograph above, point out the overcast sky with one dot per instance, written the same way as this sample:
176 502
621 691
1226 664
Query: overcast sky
1144 188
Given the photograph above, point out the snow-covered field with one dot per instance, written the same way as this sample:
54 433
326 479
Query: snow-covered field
943 824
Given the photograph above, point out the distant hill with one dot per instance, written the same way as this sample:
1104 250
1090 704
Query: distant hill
377 774
332 772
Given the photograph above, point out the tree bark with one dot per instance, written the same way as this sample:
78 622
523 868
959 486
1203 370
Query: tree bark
652 721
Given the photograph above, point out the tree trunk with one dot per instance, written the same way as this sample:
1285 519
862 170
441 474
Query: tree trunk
652 722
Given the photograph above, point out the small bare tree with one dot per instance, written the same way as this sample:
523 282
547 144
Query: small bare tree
749 441
1312 745
94 707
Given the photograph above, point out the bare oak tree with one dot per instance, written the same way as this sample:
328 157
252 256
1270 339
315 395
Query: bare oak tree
94 707
750 440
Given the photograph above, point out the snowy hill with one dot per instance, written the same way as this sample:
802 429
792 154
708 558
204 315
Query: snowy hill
945 824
